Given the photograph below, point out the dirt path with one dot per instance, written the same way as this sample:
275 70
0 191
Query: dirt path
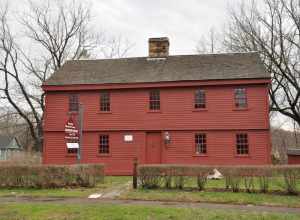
12 200
115 192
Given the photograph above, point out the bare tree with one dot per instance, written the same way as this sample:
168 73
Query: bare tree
116 47
271 27
56 32
209 43
12 125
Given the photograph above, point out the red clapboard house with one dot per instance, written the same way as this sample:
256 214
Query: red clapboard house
186 109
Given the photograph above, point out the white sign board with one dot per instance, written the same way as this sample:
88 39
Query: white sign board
72 145
128 138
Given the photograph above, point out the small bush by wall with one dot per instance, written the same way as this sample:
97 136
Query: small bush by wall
236 177
40 176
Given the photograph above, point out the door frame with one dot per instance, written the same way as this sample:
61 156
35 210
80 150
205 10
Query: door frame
161 145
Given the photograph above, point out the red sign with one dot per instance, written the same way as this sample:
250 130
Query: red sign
71 133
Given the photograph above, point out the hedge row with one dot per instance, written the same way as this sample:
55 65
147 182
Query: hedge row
153 176
51 176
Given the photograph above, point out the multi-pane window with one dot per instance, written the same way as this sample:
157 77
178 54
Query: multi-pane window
104 144
105 101
240 97
73 103
200 98
242 146
154 100
200 142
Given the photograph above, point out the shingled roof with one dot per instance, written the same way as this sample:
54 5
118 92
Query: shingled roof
293 151
172 68
5 141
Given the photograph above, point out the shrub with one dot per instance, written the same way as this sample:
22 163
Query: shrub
291 175
263 183
249 183
152 176
201 182
264 177
201 174
50 176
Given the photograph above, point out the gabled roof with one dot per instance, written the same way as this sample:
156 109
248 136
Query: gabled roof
171 68
293 151
5 141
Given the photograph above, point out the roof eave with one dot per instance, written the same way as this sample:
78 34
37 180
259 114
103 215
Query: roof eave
183 83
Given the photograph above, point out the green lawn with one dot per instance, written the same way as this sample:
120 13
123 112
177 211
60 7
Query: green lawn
275 184
109 182
168 195
190 194
215 197
122 212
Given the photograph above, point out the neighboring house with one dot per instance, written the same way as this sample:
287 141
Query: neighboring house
183 109
293 155
7 146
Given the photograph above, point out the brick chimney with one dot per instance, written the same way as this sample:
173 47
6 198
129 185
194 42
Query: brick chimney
158 47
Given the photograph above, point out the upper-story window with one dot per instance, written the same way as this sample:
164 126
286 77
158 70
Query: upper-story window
105 101
200 142
240 97
242 146
73 102
200 98
154 100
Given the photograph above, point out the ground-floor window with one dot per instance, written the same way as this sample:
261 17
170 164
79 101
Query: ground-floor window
200 142
242 146
104 144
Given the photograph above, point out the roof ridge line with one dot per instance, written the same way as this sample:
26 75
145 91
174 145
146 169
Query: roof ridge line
178 55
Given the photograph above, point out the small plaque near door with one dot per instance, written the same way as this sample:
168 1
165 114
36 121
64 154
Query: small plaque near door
128 138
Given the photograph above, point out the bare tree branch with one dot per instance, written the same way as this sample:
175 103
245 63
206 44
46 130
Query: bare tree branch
59 31
274 31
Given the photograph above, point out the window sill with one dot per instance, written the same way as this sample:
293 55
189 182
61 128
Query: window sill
103 155
200 155
154 111
73 112
100 112
240 109
200 110
242 155
71 155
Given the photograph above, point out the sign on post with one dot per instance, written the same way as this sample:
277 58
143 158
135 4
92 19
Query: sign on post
71 134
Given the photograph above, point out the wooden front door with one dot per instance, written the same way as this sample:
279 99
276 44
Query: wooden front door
153 147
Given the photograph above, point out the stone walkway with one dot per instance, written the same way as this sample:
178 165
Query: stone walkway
12 200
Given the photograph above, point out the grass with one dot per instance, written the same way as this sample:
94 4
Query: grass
275 184
190 194
214 197
109 182
187 194
125 212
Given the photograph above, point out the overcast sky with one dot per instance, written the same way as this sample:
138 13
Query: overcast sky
184 22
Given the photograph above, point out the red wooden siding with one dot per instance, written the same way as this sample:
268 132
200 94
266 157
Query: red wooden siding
130 114
130 110
293 159
221 149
